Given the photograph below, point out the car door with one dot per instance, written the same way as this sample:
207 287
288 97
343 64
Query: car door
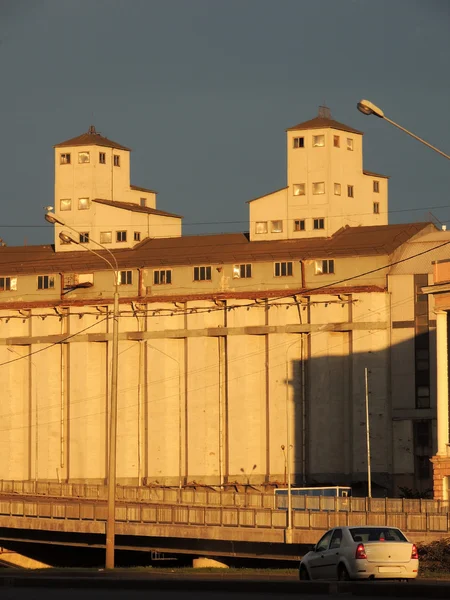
332 555
316 562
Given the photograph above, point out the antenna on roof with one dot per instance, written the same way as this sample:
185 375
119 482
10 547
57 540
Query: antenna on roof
324 112
91 130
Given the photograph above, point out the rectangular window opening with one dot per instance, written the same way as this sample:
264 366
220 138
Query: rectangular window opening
202 273
102 158
242 271
105 237
276 226
121 236
8 284
299 189
318 188
64 159
350 191
324 267
299 142
261 227
319 223
299 224
116 160
46 282
283 269
318 141
162 277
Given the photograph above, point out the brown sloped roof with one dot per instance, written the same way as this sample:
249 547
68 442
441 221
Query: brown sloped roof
142 189
135 208
269 194
91 138
323 123
211 249
372 174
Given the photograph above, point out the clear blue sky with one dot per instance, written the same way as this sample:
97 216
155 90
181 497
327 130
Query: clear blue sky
203 90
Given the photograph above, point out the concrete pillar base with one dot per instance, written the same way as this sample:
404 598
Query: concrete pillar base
441 476
208 563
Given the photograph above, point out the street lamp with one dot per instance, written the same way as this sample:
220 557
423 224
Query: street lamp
111 493
288 450
368 108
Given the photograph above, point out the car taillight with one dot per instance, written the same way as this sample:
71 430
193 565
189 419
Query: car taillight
414 553
360 551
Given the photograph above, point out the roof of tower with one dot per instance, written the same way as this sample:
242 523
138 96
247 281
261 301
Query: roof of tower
91 138
322 121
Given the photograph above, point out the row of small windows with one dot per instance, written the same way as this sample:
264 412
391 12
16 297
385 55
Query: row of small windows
164 276
85 157
277 226
318 141
106 237
318 188
84 203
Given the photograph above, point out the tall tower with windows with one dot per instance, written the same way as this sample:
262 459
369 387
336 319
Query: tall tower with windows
327 186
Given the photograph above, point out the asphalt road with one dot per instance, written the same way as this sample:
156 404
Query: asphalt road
186 594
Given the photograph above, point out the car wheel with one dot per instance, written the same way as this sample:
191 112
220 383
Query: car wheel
343 573
303 574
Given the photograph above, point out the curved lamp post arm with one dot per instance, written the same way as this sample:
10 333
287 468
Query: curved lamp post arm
368 108
51 218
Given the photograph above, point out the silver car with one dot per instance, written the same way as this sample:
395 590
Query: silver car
361 552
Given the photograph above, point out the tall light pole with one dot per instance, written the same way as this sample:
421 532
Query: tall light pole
368 108
112 462
369 471
288 450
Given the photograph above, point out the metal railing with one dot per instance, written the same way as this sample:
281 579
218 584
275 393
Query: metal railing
211 498
220 516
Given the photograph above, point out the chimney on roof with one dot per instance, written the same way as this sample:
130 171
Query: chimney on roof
324 112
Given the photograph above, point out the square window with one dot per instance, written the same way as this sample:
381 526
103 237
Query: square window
83 203
318 141
376 208
83 157
376 186
261 227
283 269
318 188
162 277
324 267
142 201
299 142
276 226
242 271
102 158
121 236
337 189
299 189
65 204
64 159
84 237
137 236
349 143
8 284
319 223
299 224
125 277
105 237
116 160
46 282
350 191
202 273
336 141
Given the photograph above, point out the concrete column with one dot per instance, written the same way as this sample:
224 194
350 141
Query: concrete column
442 382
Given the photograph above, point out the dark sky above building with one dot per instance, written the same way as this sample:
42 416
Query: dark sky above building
203 90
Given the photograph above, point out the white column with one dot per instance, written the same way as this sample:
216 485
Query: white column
442 382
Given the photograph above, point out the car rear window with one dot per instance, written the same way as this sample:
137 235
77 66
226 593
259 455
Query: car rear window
377 534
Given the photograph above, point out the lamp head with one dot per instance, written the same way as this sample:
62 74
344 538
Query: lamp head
50 217
66 238
368 108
